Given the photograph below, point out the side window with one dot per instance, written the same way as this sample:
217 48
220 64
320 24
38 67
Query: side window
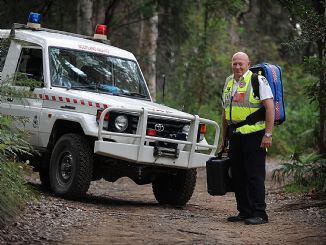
4 47
31 65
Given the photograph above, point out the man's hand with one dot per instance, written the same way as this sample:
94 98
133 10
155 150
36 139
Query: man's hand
266 142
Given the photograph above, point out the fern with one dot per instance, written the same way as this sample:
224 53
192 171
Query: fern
304 171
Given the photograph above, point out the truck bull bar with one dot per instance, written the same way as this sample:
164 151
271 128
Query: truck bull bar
139 152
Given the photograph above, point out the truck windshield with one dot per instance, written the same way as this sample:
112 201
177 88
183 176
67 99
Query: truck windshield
94 72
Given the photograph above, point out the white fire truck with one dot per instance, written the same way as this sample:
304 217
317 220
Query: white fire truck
91 115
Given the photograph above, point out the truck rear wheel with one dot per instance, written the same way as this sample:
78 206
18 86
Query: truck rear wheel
175 188
71 166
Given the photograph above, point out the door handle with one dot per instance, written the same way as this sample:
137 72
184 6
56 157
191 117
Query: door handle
68 107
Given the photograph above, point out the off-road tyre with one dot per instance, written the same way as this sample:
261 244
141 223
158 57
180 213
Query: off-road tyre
71 166
175 188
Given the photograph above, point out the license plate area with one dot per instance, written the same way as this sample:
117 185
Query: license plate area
164 149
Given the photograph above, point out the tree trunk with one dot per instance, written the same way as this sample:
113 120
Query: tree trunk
84 17
322 76
322 98
147 49
202 53
100 8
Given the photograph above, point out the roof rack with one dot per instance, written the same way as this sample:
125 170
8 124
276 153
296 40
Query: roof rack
18 26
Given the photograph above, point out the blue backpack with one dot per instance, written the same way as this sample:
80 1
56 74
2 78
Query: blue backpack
273 74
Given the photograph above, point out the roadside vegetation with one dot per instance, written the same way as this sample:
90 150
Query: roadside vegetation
302 173
14 192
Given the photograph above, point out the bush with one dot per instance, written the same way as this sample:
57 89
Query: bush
305 173
14 192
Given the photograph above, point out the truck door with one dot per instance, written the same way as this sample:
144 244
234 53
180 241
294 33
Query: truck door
23 103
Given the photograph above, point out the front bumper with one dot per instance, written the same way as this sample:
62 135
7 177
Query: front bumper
140 152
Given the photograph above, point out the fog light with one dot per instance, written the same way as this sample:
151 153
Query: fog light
186 129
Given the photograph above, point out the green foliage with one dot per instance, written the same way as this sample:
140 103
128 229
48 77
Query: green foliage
199 70
309 19
21 86
4 47
307 172
295 188
12 142
14 193
313 24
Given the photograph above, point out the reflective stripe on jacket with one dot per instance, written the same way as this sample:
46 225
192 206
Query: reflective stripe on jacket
243 104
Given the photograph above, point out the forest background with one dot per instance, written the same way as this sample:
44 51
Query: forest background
184 47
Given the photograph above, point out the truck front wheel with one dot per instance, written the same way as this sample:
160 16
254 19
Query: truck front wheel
175 188
71 166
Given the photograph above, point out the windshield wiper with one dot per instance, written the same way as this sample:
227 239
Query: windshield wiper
93 86
135 94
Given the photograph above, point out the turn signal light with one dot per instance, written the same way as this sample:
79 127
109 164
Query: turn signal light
202 128
99 113
201 132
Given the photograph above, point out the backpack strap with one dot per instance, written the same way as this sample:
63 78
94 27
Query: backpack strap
251 119
255 84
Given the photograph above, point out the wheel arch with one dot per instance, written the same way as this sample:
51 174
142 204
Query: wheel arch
61 127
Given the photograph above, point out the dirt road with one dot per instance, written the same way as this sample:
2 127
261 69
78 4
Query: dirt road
124 213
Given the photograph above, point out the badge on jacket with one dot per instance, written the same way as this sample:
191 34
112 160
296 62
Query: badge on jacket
242 84
239 97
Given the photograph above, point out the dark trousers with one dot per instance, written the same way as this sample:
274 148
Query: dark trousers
248 173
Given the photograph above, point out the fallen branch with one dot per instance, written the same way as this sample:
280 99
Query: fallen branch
192 232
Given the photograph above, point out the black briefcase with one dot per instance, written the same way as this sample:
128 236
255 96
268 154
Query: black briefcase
218 173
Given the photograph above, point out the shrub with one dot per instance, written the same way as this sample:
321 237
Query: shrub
307 172
14 192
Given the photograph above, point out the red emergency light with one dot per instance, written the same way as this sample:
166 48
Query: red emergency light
101 32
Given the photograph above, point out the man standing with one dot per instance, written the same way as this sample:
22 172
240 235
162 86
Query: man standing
247 149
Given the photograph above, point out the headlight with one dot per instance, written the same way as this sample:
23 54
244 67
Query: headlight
121 123
186 129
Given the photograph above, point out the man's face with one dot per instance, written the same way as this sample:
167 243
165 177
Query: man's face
240 64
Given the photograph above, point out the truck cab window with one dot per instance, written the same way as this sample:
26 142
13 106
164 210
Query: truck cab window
4 46
31 64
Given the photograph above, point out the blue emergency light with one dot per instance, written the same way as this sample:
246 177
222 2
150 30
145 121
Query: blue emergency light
34 20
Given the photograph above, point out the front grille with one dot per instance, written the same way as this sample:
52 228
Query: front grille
166 128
